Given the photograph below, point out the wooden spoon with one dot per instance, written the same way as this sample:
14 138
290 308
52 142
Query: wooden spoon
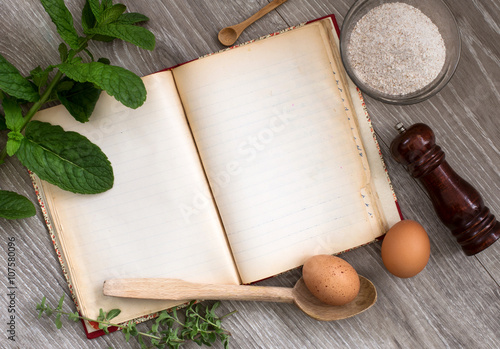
174 289
229 35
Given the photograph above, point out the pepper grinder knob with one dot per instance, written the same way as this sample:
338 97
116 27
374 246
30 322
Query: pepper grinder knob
458 205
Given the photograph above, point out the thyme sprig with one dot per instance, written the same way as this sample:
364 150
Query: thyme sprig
200 324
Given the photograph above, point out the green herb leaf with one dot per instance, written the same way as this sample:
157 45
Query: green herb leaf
48 310
63 20
102 315
66 159
138 36
112 14
58 321
14 139
96 9
65 84
104 327
112 314
39 77
132 329
102 38
126 332
74 316
63 52
88 17
124 85
15 206
80 99
61 302
13 114
41 307
132 18
12 82
75 60
105 4
198 327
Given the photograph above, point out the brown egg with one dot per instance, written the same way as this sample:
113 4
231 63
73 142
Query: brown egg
331 279
406 249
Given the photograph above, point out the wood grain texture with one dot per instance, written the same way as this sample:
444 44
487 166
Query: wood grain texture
453 303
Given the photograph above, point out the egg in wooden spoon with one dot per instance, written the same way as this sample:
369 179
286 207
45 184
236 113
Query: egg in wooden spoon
331 279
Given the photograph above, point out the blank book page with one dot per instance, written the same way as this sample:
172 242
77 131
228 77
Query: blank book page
278 150
158 220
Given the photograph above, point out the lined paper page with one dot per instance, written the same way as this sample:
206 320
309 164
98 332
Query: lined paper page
158 220
277 146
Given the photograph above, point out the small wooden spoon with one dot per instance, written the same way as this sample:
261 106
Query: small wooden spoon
174 289
229 35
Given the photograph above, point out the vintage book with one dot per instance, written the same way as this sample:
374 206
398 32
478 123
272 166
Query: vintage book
239 166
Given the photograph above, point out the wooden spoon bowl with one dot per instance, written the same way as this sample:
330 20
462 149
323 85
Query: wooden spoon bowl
318 310
229 35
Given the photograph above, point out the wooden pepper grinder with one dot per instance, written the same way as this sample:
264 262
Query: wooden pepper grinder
457 203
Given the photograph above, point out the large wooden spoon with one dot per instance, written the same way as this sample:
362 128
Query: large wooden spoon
174 289
229 35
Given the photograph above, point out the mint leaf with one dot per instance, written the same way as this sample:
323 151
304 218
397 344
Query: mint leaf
95 6
111 14
88 17
102 38
14 139
12 82
121 83
15 206
105 4
63 52
13 114
39 77
138 36
132 18
66 159
63 20
64 85
80 99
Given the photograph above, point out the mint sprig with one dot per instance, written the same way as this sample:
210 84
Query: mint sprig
68 159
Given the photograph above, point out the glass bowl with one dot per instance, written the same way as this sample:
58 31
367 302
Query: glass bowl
439 13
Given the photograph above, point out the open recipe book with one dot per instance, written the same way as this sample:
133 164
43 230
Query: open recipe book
238 167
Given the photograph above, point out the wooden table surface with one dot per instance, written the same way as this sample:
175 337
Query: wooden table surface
453 303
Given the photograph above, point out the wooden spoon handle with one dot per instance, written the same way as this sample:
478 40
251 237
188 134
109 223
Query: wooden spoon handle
262 12
174 289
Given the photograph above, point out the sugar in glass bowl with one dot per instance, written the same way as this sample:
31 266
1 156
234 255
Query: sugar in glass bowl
403 67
